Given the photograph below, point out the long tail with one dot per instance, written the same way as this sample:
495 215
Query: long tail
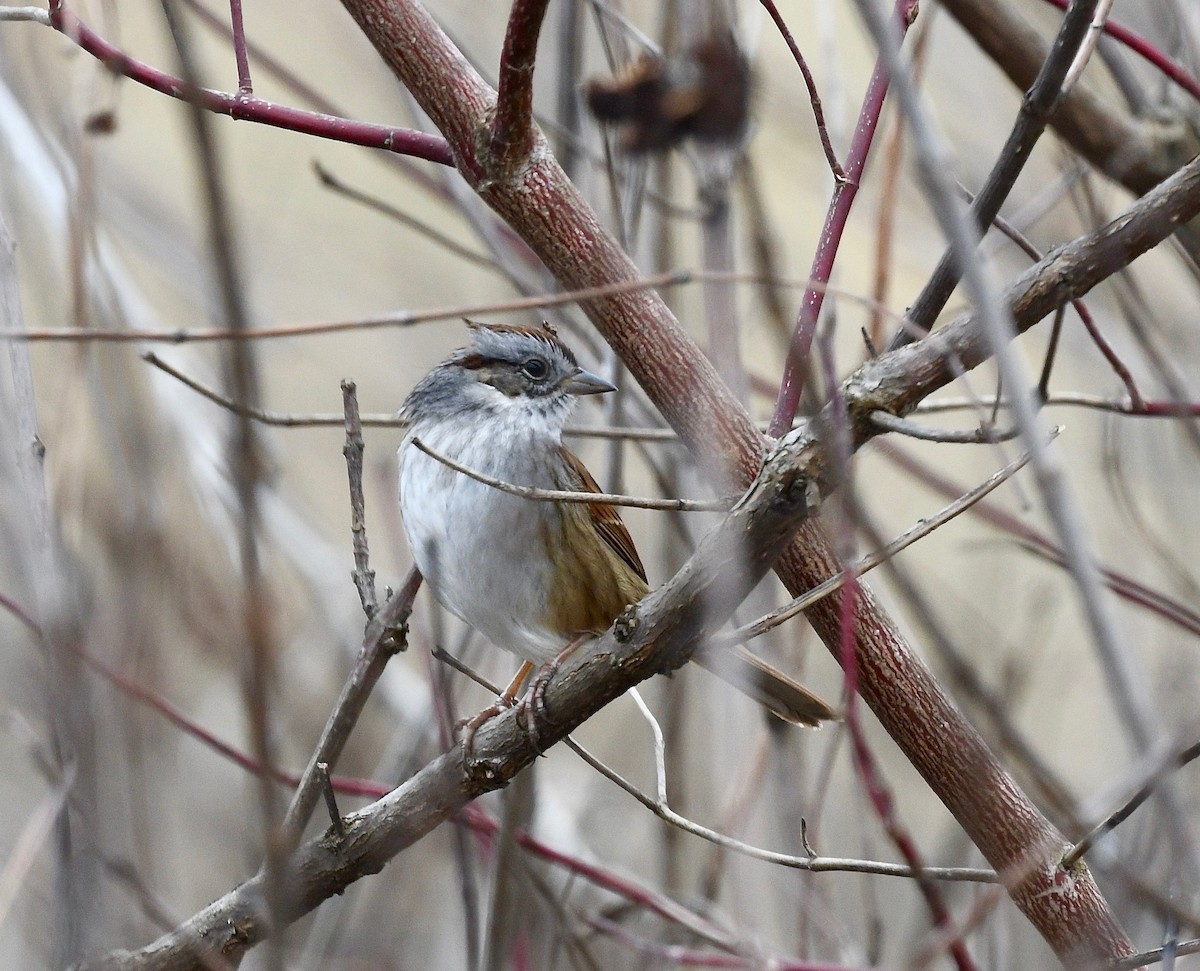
767 685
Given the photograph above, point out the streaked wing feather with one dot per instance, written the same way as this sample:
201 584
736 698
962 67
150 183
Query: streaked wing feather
605 518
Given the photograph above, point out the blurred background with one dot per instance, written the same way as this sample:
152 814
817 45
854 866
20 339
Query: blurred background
135 563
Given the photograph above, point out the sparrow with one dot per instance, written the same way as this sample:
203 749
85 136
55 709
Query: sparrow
533 577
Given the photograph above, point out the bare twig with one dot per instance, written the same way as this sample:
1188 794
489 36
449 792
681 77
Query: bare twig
815 864
385 636
1170 67
27 844
1158 954
584 498
1088 45
1035 112
432 233
869 562
810 83
1119 815
238 30
978 436
38 15
243 108
364 576
403 318
1085 315
335 815
1123 586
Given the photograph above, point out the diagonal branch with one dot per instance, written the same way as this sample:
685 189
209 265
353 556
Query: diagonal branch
656 636
1036 107
244 105
1135 153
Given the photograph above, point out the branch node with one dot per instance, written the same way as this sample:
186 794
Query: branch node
335 817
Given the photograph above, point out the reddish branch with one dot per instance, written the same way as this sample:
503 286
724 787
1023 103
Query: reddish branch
237 27
877 789
544 207
247 107
1064 904
840 205
512 129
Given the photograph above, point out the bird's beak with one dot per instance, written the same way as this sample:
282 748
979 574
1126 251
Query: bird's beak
584 382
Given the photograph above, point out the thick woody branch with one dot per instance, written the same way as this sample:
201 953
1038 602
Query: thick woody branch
899 381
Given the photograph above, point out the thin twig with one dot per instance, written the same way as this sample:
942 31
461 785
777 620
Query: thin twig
1170 67
1032 118
1026 246
404 318
869 562
814 864
1158 954
810 83
660 955
1119 815
39 15
432 233
403 141
1039 544
364 576
385 636
238 30
584 498
928 433
335 815
1088 45
1079 399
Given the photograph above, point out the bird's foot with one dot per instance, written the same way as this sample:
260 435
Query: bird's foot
469 726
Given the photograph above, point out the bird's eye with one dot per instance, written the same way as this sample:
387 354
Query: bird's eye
535 368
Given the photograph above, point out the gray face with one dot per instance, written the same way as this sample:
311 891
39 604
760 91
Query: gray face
518 362
503 365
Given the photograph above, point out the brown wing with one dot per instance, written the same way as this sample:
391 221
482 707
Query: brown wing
605 518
